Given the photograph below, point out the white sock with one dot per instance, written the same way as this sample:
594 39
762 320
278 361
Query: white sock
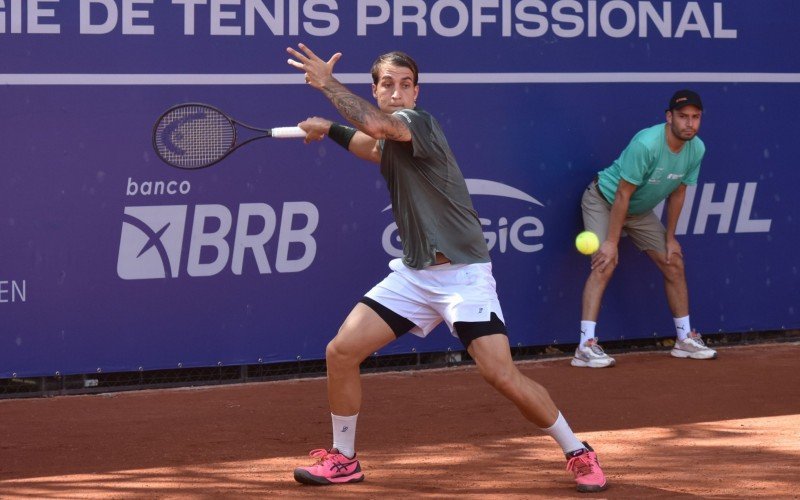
563 435
587 330
344 434
683 327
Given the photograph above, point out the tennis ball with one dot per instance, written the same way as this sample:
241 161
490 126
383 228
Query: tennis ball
587 243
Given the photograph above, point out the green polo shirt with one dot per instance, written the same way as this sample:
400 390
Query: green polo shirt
649 164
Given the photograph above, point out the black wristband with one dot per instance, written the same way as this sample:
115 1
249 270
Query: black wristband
341 134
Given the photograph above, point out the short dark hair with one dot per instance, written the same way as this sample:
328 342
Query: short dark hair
395 58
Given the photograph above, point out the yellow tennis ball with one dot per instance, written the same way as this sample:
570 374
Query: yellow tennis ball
587 243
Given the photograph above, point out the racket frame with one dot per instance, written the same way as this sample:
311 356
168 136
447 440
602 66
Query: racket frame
262 133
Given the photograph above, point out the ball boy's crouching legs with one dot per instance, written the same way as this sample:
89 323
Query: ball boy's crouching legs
689 344
589 354
693 347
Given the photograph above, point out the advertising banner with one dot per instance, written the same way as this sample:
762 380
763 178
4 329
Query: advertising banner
111 260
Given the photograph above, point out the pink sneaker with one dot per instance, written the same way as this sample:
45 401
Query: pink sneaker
331 468
588 474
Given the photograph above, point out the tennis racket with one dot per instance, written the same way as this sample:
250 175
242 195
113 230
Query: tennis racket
194 135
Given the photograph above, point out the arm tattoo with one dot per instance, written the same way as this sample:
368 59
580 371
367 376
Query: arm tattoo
361 113
396 131
350 106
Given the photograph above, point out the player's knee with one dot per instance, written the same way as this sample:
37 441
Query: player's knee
674 270
604 275
336 353
503 378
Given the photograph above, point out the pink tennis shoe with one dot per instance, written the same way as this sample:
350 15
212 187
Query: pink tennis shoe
331 467
586 468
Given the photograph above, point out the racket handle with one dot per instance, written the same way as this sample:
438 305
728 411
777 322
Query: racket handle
288 132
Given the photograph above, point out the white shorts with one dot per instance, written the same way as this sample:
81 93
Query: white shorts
449 292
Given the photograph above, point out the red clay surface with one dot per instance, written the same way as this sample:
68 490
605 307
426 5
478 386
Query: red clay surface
663 428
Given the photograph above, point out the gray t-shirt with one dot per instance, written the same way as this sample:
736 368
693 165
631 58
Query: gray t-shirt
430 201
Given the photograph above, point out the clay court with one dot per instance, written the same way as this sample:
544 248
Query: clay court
664 428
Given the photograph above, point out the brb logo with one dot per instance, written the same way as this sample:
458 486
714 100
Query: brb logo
153 239
151 242
520 233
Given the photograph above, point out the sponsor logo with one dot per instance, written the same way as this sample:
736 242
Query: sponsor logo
13 291
502 233
168 241
154 188
173 132
736 200
151 242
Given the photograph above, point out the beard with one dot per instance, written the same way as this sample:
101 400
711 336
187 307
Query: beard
683 134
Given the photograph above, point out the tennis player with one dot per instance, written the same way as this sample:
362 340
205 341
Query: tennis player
445 272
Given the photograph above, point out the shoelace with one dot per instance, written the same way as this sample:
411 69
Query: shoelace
320 454
582 465
595 348
324 456
696 338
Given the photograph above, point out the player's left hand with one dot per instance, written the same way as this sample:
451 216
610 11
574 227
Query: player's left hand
673 248
318 72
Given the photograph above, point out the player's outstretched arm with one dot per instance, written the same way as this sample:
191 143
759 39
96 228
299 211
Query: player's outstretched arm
364 116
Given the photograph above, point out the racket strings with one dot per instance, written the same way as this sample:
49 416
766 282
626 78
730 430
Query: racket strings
194 136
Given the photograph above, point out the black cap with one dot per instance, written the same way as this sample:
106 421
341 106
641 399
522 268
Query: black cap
683 98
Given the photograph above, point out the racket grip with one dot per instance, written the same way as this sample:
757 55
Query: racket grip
288 132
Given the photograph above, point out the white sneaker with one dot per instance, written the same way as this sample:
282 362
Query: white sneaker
693 347
591 355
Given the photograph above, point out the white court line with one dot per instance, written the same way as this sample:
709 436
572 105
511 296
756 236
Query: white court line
358 78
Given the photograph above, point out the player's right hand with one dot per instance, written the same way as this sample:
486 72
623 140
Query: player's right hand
315 128
605 255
